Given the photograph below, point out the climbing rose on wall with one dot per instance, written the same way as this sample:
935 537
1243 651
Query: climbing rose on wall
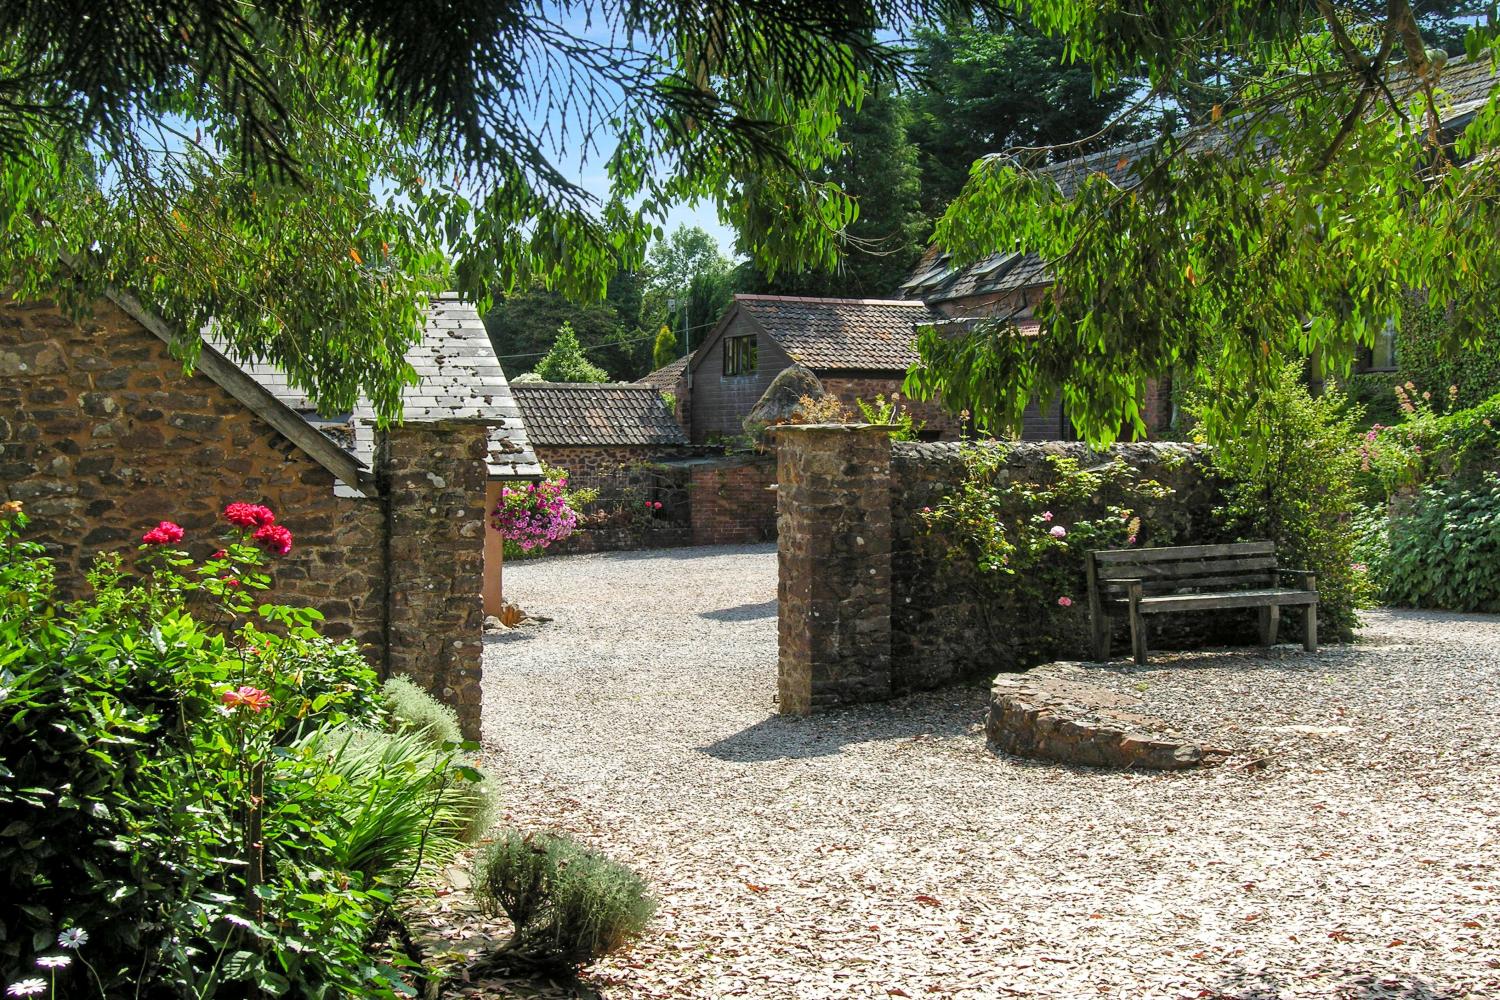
273 538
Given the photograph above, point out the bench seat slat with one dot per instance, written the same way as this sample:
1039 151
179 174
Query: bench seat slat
1261 565
1224 599
1246 581
1180 552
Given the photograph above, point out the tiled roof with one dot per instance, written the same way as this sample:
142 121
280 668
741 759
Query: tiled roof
1464 86
596 413
841 334
665 378
461 380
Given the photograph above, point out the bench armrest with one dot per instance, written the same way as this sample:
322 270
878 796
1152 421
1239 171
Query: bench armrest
1309 579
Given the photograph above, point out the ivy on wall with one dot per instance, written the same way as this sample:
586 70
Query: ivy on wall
1427 358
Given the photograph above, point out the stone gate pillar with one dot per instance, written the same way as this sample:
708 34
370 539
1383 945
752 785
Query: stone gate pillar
834 565
437 475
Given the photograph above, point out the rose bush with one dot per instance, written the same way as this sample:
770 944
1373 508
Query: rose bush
179 798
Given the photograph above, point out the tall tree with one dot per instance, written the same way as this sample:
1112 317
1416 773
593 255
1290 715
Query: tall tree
688 283
1337 177
664 352
297 172
877 168
994 83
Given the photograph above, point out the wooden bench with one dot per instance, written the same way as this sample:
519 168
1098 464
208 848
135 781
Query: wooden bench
1194 578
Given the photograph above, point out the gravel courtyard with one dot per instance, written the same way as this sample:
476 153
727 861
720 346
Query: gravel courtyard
1351 849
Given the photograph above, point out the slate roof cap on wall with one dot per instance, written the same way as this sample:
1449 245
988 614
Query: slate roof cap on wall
596 413
461 380
840 334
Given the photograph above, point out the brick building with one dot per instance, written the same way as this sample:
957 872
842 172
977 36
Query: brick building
102 435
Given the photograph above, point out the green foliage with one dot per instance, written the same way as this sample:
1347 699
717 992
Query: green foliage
523 324
1294 482
1026 540
891 413
1430 355
566 362
687 268
877 167
304 175
169 787
414 710
1441 549
1294 221
664 350
991 84
569 905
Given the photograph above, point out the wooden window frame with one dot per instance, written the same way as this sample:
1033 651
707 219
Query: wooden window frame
741 356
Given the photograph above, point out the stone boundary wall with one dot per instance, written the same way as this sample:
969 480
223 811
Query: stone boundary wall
734 501
102 435
940 628
873 604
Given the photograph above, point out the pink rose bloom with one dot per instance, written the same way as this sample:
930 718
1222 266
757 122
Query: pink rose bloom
1058 531
248 515
657 505
1046 515
1065 602
165 533
1130 540
273 538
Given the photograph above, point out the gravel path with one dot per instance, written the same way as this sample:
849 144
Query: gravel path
1350 851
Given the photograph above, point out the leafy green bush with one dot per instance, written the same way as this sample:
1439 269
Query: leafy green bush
891 413
167 793
1426 357
1296 484
1442 550
415 710
569 905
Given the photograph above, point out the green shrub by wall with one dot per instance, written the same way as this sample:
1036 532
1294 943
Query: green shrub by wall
1423 358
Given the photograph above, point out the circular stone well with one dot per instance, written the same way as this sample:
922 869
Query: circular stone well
1053 713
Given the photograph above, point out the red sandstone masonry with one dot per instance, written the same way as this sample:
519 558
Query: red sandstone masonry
734 503
101 436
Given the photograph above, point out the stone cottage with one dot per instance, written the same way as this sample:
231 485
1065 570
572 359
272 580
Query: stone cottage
102 435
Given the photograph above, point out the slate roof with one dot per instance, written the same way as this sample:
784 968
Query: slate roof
665 378
461 380
1464 86
595 413
840 334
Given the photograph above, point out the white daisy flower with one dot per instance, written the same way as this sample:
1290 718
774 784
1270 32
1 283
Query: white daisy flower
73 937
27 988
54 961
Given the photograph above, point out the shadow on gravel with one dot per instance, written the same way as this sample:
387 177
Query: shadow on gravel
935 715
1267 984
742 612
684 554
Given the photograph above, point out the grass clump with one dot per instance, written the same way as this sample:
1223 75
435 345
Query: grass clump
570 905
417 711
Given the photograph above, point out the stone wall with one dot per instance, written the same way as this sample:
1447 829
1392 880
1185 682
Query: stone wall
942 626
102 435
872 603
436 480
734 501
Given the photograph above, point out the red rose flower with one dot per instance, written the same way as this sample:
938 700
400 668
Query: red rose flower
221 554
273 538
249 515
165 533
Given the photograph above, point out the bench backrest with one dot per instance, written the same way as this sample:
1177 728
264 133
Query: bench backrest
1194 568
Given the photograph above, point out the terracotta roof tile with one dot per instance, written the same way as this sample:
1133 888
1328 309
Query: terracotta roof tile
592 413
665 378
841 334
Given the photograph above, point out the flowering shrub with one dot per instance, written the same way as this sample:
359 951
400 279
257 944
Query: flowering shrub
537 514
177 814
1028 562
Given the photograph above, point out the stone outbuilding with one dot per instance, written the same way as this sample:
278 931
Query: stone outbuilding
102 434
